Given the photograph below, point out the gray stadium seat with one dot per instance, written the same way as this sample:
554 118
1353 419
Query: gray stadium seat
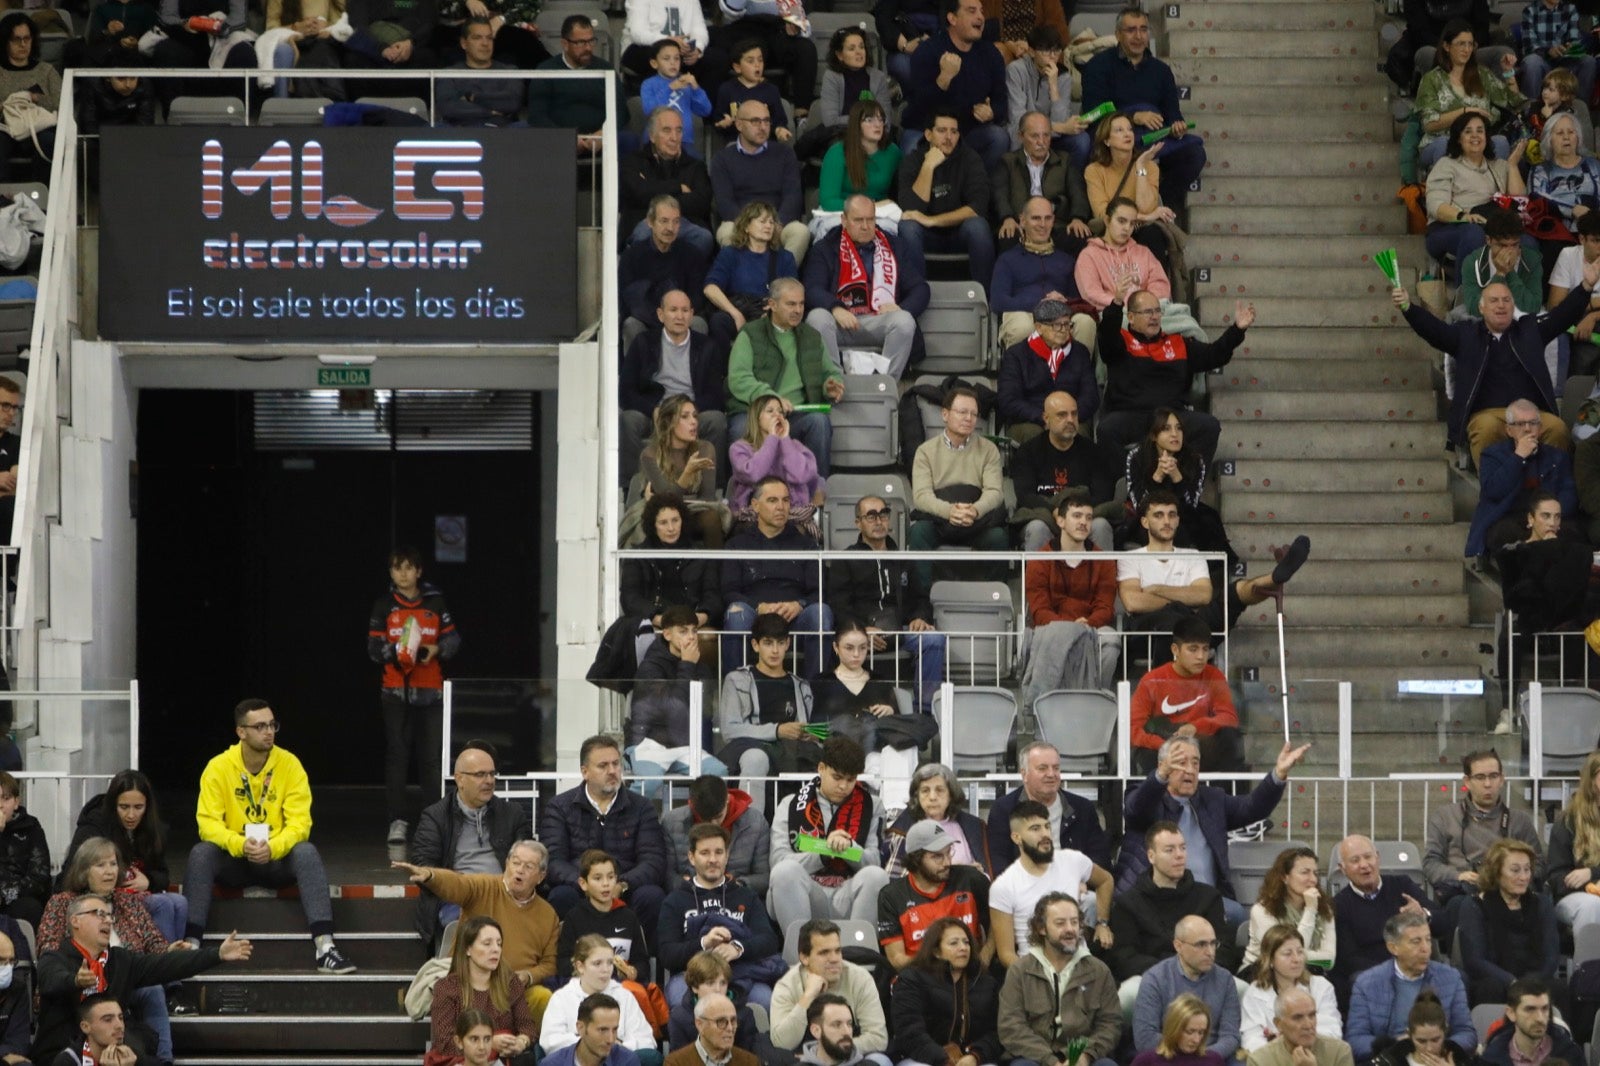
866 423
1394 857
1484 1015
955 328
1249 861
1080 723
984 719
846 490
206 111
985 608
1571 729
853 933
292 111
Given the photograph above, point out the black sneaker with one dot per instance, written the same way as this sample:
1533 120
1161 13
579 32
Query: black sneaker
331 961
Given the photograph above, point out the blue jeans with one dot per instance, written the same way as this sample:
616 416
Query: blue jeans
170 912
808 427
973 236
1535 66
693 234
1076 145
1455 239
740 616
150 1004
1182 159
651 789
928 651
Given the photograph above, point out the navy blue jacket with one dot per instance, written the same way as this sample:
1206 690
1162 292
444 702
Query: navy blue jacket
1109 76
1497 1052
1505 479
1477 949
1359 924
1469 341
637 389
820 275
791 573
630 832
1080 830
1025 380
1215 809
982 78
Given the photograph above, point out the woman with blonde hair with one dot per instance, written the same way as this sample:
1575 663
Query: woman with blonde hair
767 450
1508 930
678 460
736 284
1574 852
1184 1032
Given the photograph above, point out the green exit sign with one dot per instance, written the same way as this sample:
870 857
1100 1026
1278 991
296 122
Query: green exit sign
344 377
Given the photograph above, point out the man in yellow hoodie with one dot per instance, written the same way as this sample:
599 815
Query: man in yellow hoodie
254 815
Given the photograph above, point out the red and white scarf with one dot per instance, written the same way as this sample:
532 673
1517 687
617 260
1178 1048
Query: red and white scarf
857 291
1051 356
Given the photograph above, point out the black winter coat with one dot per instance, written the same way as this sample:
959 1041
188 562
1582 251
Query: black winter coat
569 825
648 585
923 1016
99 819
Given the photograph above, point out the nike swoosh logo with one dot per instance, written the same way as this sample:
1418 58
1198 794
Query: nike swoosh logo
1168 707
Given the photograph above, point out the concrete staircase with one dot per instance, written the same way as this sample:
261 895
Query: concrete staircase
1331 420
275 1009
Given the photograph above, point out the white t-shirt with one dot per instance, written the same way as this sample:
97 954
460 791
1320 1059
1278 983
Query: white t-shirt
1568 272
1171 567
1016 891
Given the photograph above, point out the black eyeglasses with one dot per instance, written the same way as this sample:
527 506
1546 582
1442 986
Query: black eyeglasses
881 512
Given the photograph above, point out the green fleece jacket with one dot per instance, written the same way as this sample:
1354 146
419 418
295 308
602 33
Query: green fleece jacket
756 365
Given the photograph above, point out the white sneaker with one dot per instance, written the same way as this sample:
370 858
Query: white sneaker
397 831
1505 725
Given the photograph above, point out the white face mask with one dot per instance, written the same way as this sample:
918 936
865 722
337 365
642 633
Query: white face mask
5 975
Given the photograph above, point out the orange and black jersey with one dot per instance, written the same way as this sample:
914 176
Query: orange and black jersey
422 681
906 913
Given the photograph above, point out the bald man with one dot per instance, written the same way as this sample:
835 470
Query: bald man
1362 907
1500 358
1297 1042
469 831
1192 968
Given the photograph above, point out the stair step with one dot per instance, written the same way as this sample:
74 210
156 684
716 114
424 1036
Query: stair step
1215 44
1353 282
1378 221
1336 539
1312 311
1389 405
1310 506
1344 71
1372 755
1317 611
1223 129
1281 15
1254 476
1340 251
1207 100
225 992
1222 190
1302 160
1331 441
250 1033
1332 342
293 951
1315 651
1314 697
1278 375
1365 578
256 915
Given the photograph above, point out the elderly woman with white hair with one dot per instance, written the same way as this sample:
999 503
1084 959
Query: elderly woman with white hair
1567 180
937 795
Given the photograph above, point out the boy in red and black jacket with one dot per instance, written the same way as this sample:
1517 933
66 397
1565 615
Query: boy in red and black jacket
411 633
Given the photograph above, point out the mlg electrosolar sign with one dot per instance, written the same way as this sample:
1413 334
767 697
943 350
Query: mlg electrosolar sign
355 234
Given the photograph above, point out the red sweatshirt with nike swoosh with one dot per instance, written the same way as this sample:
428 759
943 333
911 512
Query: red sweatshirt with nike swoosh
1202 701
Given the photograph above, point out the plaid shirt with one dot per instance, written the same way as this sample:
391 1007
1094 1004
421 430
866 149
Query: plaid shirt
1543 29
